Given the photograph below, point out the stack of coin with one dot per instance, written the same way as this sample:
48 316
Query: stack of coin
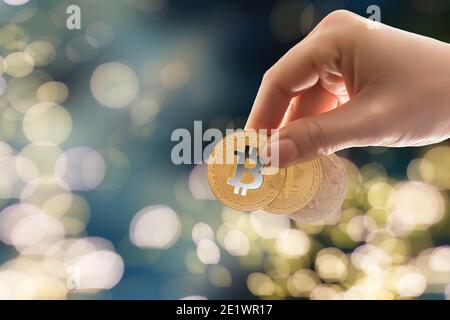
306 192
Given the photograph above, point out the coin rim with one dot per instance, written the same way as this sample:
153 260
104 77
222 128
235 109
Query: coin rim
218 191
311 218
309 195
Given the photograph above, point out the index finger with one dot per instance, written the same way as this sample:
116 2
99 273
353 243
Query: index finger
294 72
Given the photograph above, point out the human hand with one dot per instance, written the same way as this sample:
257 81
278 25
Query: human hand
347 85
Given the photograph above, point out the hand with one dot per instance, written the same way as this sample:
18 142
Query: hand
347 85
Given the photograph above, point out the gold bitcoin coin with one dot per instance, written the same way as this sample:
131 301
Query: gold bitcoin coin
237 175
331 194
301 184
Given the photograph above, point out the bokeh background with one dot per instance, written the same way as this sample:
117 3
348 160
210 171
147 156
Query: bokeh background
91 206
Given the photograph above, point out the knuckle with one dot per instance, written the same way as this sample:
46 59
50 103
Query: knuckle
272 81
268 76
338 16
340 22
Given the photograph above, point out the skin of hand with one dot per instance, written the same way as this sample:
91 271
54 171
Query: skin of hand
349 85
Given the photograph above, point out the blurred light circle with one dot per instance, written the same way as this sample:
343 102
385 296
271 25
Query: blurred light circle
114 85
102 32
354 179
414 205
324 293
268 226
15 285
331 264
293 243
143 112
73 250
201 231
198 183
5 149
21 92
57 205
369 258
208 252
440 259
43 156
34 234
47 123
302 282
81 48
68 205
117 167
11 215
410 283
15 2
155 227
19 64
3 85
48 288
439 157
96 270
53 91
421 170
73 226
15 173
38 191
42 52
175 75
359 227
13 36
286 20
219 276
82 168
260 284
236 243
378 194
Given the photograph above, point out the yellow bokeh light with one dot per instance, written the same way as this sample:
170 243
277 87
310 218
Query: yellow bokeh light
19 64
175 75
302 282
414 205
378 194
208 252
219 276
155 227
331 264
439 157
42 52
43 156
260 284
47 123
421 169
53 91
114 85
293 243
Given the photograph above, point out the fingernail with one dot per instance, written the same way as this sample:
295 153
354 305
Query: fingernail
287 150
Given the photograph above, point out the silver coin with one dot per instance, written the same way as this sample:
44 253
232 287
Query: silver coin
331 193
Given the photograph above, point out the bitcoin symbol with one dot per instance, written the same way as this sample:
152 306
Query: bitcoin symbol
291 187
240 168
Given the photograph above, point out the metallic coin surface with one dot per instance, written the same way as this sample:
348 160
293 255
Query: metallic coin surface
237 175
302 183
331 193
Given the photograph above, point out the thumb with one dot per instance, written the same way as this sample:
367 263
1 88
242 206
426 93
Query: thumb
310 137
